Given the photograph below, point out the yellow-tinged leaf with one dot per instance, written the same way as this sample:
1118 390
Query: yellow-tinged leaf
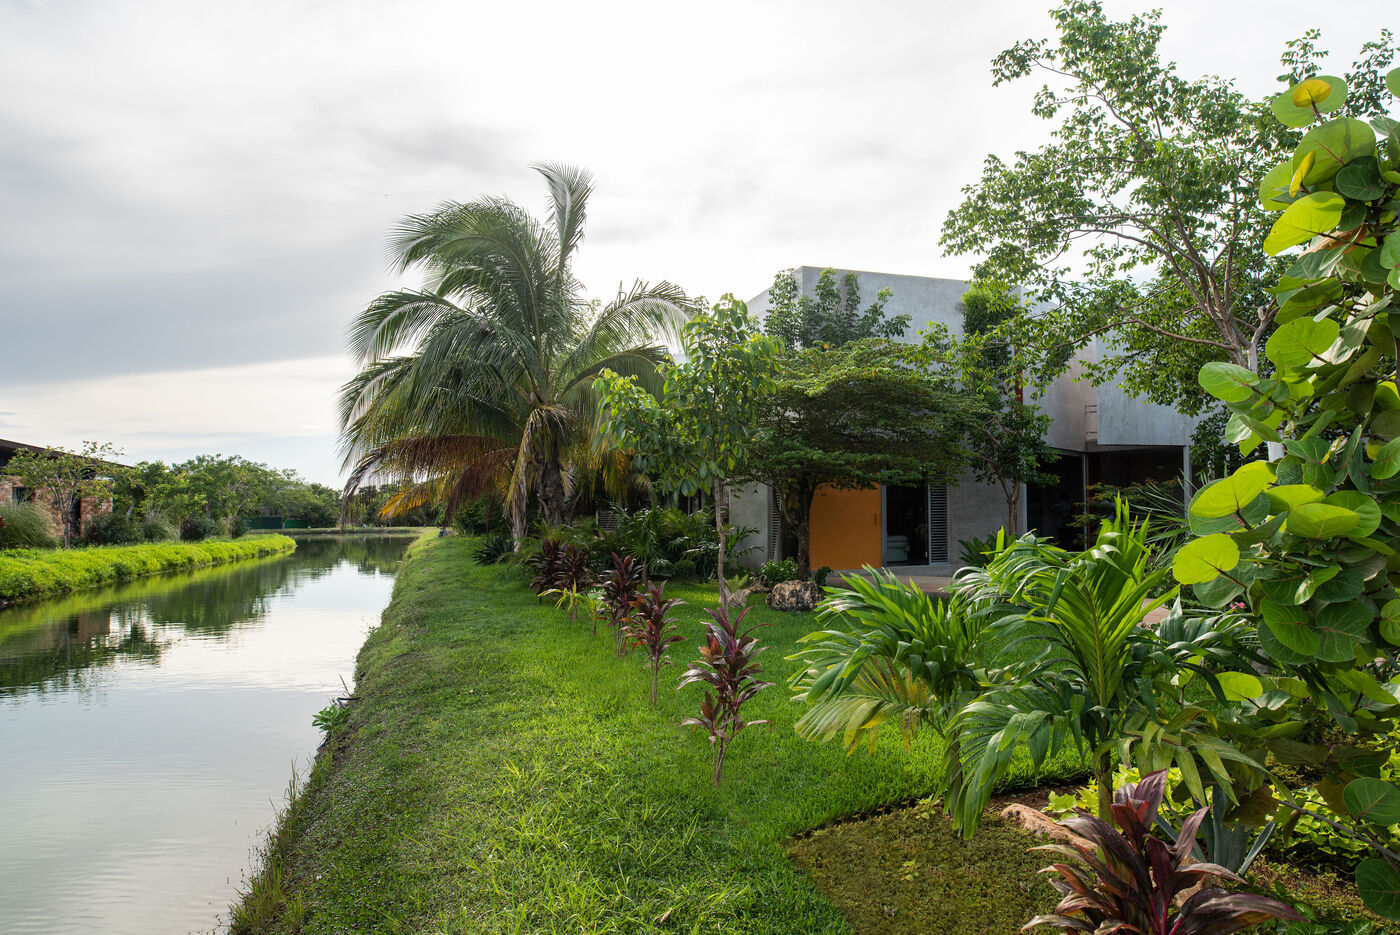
1301 173
1311 92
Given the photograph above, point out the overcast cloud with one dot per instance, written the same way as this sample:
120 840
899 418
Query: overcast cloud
194 197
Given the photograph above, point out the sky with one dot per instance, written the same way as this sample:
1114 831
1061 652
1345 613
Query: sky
195 197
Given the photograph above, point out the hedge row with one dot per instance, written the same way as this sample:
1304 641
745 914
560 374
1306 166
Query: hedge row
27 574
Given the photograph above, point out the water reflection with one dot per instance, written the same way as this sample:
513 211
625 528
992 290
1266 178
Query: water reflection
146 729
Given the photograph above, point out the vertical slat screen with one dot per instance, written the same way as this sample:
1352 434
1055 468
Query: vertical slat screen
775 526
937 525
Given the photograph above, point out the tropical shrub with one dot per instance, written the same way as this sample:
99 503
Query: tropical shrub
820 575
620 586
1131 878
156 528
728 665
198 527
650 628
113 529
776 571
547 565
26 526
492 549
1308 541
683 570
576 602
975 553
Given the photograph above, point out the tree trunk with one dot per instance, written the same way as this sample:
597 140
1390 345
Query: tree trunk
1103 775
718 491
720 749
552 497
654 674
797 512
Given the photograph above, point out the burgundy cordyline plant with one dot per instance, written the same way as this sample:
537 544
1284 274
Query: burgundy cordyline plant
620 586
1131 878
546 565
651 629
727 665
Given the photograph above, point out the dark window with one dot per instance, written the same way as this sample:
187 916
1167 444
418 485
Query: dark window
21 494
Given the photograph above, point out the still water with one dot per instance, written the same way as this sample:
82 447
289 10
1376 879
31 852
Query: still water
148 731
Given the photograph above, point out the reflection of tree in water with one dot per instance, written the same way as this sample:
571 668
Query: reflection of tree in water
56 645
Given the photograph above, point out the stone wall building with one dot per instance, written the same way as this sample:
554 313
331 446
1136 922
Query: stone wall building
12 490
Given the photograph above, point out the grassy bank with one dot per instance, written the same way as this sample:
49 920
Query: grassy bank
503 772
31 574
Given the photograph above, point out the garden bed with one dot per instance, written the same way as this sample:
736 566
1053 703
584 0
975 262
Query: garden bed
33 574
502 771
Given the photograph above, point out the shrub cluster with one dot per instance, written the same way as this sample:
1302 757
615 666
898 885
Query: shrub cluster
25 526
26 574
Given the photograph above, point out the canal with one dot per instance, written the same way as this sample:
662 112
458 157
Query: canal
148 732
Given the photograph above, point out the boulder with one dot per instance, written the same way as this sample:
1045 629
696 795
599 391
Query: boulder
795 596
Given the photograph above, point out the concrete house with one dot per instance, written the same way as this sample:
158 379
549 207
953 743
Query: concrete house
1102 435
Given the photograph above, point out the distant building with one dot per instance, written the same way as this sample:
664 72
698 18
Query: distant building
1103 436
12 490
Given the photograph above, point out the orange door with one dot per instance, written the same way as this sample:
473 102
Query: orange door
845 528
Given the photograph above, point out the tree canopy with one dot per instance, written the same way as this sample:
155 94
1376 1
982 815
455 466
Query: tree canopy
831 317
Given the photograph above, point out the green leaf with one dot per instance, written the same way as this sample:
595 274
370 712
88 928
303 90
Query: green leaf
1273 191
1377 880
1390 250
1232 494
1301 341
1340 628
1227 382
1367 512
1360 179
1295 107
1290 626
1321 521
1217 592
1239 686
1390 622
1333 145
1203 559
1305 300
1387 461
1374 801
1317 213
1392 81
1287 496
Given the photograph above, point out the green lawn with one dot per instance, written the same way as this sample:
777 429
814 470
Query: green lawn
503 773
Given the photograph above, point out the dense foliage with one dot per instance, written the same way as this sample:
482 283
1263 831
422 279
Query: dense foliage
831 316
66 478
25 526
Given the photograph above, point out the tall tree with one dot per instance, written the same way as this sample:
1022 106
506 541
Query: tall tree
831 317
853 417
1003 432
698 432
486 374
1139 221
67 478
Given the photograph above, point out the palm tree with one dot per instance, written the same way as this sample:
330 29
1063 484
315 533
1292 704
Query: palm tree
485 376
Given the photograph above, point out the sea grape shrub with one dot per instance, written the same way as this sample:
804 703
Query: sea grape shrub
1131 878
728 665
652 630
621 584
547 565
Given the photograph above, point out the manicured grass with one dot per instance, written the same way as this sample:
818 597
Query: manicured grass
503 773
29 574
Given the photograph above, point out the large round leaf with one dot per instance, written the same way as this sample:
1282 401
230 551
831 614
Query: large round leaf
1218 592
1232 494
1387 461
1392 81
1290 625
1301 341
1321 521
1346 585
1227 382
1308 299
1360 179
1340 627
1313 214
1333 145
1390 250
1240 686
1204 559
1374 801
1287 496
1379 882
1368 513
1390 622
1294 107
1273 190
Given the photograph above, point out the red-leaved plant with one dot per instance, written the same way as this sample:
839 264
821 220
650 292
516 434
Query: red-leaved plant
1131 879
651 629
727 665
620 586
546 565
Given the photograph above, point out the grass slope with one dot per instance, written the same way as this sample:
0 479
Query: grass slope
503 772
30 574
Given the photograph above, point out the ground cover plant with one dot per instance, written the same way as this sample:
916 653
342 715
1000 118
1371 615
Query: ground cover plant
503 772
29 574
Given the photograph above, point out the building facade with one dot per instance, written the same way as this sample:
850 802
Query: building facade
12 490
1102 435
